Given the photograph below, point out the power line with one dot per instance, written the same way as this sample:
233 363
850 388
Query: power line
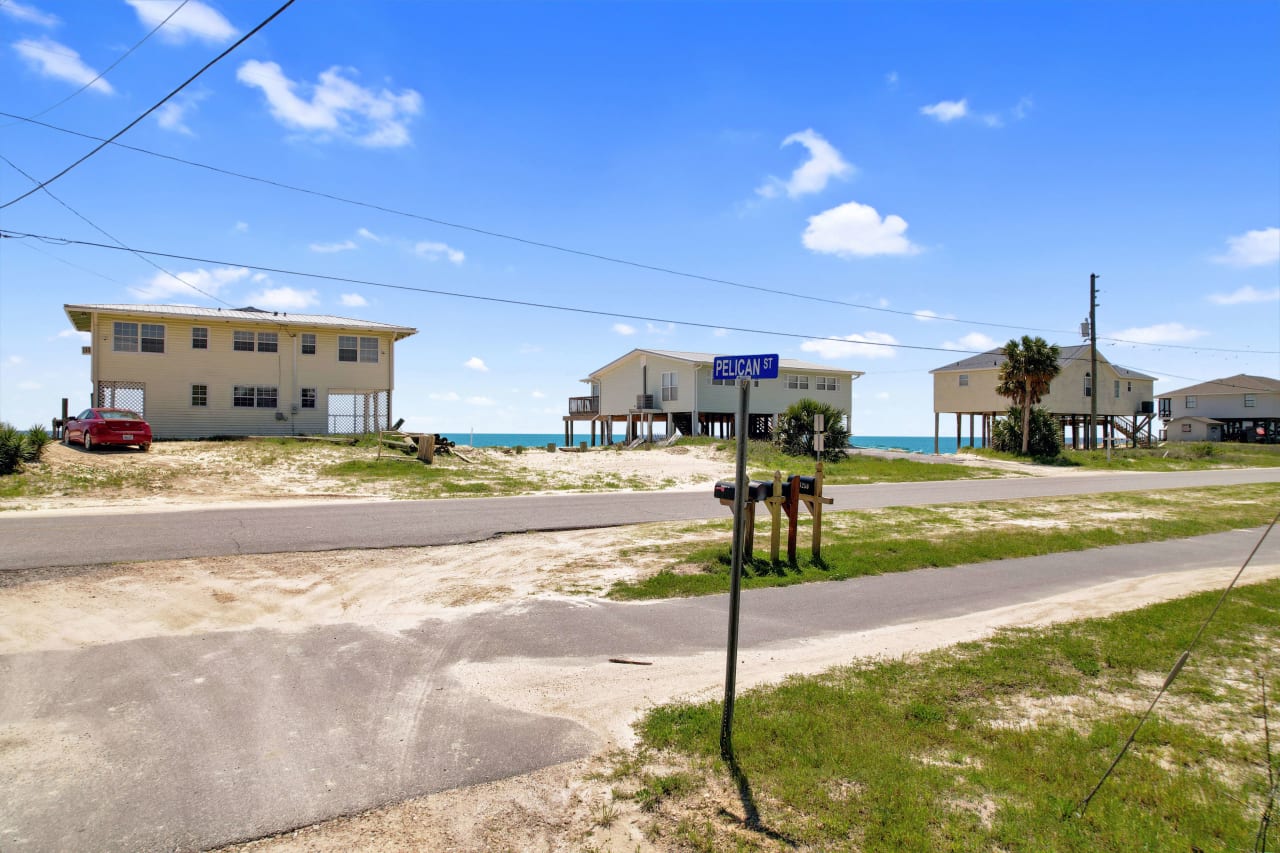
1177 667
104 72
486 232
153 108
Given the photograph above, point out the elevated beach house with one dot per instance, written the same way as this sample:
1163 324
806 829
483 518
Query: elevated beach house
1237 408
200 372
1124 397
675 389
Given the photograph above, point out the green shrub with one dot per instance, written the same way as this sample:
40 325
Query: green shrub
795 430
34 443
1006 434
519 448
11 448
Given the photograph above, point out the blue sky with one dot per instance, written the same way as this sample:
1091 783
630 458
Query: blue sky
944 165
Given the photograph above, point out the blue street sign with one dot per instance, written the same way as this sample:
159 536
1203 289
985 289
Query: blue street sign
745 367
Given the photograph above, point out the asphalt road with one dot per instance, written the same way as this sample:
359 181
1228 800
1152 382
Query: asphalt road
191 742
35 540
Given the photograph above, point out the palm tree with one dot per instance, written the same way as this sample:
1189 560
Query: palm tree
1029 366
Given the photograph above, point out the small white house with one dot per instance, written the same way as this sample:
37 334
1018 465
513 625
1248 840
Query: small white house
676 389
200 372
1246 407
1194 429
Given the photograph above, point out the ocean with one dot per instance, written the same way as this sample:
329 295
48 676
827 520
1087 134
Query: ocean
910 443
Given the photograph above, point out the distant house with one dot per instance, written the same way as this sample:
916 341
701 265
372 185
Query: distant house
1246 408
200 372
1125 405
647 387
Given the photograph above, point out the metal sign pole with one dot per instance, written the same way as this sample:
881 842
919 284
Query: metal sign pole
735 580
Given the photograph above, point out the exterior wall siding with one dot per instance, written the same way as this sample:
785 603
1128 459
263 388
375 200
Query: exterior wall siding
1266 405
1066 392
168 376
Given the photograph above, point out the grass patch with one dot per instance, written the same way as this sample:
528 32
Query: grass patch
905 538
446 478
1174 456
990 746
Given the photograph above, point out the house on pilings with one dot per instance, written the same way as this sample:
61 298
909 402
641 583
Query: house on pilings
1238 408
646 388
1125 400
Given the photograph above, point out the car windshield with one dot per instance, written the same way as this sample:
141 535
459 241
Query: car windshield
121 415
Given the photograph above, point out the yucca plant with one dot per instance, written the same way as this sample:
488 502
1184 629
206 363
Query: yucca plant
11 446
34 443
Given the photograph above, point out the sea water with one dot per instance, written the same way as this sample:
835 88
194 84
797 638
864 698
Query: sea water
909 443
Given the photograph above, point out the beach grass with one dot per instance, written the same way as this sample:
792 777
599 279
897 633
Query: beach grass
870 542
988 745
763 458
1173 456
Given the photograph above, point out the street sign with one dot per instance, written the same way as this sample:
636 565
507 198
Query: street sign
745 367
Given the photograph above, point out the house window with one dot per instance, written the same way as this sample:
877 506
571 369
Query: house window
254 396
1117 389
721 382
242 341
199 337
346 347
308 343
670 391
351 348
1166 407
152 337
828 383
1088 385
797 382
368 350
1129 390
308 398
964 380
1250 401
1186 427
268 342
199 395
125 337
1191 402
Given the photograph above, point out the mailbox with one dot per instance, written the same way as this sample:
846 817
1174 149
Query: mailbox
808 487
756 490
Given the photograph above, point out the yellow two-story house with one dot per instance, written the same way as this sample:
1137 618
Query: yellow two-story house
201 372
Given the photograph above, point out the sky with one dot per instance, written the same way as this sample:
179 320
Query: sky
882 187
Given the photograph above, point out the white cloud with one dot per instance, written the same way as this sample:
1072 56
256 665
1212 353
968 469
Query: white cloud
624 329
856 230
369 235
481 401
882 395
924 315
172 115
14 360
28 385
1252 249
48 57
812 175
436 251
870 345
476 363
973 342
162 286
448 396
241 228
720 333
945 111
29 14
73 333
1245 295
331 248
353 300
194 20
337 106
1022 108
1161 333
537 395
664 330
284 298
891 79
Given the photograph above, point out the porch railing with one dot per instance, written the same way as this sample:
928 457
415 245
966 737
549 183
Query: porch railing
584 405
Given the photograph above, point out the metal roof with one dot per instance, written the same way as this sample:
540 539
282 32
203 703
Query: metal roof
994 358
81 317
1241 383
705 358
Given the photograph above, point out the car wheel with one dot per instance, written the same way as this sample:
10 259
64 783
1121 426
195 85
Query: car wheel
66 438
88 442
144 447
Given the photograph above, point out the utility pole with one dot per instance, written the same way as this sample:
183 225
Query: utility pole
1092 441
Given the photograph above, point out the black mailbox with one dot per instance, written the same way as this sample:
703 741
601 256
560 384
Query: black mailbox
808 487
756 490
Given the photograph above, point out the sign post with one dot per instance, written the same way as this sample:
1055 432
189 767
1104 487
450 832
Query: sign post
744 369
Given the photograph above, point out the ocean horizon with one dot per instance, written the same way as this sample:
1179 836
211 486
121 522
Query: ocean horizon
908 443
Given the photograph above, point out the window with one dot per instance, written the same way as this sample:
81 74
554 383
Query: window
1129 390
964 380
1250 401
308 344
1088 385
199 337
1166 407
268 341
795 381
828 383
242 341
1117 389
199 395
1191 402
254 396
125 337
152 337
670 391
308 398
351 348
1186 427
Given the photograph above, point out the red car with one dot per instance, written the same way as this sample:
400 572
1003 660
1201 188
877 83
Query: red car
100 427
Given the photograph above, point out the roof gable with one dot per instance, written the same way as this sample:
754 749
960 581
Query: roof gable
1241 383
699 359
81 317
995 358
